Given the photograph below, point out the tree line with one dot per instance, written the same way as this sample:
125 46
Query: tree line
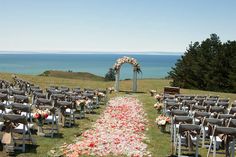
209 65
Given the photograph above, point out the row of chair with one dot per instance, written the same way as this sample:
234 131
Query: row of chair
195 118
20 99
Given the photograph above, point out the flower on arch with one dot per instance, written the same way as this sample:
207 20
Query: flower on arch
129 60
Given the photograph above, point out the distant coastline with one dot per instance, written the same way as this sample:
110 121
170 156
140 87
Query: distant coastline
93 52
152 66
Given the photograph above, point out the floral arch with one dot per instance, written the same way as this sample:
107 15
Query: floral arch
117 67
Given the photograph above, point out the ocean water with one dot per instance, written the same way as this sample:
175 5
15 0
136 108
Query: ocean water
152 66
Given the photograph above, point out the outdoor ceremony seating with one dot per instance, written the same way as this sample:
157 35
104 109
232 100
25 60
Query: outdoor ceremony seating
198 108
4 91
223 104
3 97
205 112
2 112
66 113
175 122
225 118
36 95
36 90
187 104
230 134
207 129
200 99
198 117
232 110
4 84
215 110
23 110
21 99
52 119
12 137
17 92
188 135
77 90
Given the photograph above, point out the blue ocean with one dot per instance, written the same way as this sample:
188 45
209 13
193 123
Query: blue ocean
152 66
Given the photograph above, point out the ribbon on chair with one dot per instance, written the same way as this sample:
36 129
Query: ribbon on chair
188 134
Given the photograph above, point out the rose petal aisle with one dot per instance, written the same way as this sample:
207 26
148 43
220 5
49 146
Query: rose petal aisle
119 131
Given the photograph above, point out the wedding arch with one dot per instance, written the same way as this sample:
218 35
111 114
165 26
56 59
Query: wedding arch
117 67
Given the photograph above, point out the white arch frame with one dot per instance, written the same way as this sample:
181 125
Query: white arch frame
117 67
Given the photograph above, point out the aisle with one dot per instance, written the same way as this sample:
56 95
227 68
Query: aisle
119 131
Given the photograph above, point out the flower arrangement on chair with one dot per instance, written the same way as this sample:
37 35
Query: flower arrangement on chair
40 116
162 121
159 97
158 106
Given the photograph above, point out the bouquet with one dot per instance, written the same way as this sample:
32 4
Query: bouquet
159 97
158 106
162 120
41 115
152 92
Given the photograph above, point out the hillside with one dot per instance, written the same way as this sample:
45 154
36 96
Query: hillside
72 75
153 133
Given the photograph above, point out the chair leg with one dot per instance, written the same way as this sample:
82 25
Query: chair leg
209 149
196 154
52 131
175 134
179 149
23 144
214 151
203 136
232 147
30 135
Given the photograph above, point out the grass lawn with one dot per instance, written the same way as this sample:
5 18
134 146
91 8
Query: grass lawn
159 143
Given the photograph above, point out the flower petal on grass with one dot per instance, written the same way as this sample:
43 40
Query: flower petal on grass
119 131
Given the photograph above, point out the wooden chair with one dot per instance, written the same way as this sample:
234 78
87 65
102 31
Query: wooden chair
188 134
52 119
228 132
12 120
207 129
66 112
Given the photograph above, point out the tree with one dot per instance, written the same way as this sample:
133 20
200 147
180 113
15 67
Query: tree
209 65
110 75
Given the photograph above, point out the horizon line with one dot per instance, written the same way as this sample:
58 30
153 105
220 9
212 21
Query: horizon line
90 52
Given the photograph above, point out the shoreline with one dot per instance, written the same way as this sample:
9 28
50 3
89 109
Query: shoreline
127 79
89 53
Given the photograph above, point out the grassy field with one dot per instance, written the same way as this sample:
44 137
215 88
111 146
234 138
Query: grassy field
159 143
72 75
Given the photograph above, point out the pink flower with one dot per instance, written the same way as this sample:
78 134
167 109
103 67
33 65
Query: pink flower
119 131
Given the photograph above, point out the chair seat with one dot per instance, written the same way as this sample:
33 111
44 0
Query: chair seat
218 141
68 110
27 115
49 119
206 128
194 139
5 102
185 108
177 126
20 127
8 110
196 120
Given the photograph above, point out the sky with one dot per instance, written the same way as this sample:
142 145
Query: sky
113 25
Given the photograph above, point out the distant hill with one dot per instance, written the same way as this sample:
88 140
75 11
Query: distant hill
72 75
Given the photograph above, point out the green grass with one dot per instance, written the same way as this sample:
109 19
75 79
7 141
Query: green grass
158 143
